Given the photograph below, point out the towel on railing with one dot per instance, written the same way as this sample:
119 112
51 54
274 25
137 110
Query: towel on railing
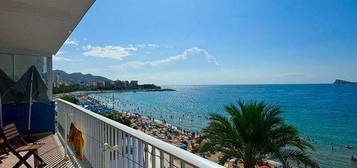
76 139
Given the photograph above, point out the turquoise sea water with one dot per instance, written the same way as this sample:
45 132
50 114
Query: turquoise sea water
326 114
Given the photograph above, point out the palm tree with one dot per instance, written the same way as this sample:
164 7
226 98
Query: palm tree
255 131
118 118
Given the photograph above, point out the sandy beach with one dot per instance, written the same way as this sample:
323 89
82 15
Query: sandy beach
156 128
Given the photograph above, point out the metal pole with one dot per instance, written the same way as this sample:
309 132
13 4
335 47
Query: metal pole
113 101
30 108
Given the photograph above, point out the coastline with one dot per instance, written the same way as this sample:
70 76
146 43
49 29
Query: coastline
78 93
307 116
86 93
166 132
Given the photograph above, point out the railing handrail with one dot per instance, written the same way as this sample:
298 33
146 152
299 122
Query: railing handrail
179 153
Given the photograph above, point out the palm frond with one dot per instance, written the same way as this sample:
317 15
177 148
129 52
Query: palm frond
253 131
298 156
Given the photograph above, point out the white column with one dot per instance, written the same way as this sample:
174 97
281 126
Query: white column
49 77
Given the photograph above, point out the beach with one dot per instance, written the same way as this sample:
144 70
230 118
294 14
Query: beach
160 129
324 114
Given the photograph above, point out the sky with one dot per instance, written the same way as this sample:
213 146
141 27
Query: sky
193 42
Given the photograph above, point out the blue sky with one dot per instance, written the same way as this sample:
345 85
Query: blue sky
215 42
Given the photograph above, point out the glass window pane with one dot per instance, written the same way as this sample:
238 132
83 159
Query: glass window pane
6 64
24 62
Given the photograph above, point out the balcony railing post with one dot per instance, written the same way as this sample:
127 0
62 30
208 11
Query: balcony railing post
65 111
153 157
101 136
183 164
171 163
106 147
121 149
105 156
162 162
140 153
146 149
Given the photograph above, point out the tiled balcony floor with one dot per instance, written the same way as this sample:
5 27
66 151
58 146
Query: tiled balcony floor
52 153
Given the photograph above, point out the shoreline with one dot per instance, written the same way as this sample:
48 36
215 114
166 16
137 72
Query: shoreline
86 93
157 128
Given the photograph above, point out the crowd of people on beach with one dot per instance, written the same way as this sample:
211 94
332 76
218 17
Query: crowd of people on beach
179 137
194 121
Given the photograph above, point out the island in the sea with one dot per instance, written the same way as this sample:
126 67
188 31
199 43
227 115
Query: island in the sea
339 81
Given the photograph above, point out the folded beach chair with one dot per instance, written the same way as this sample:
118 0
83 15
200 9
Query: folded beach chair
9 133
2 149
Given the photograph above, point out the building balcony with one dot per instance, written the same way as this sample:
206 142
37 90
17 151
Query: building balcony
88 139
96 141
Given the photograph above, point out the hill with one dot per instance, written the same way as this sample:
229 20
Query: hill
339 81
61 76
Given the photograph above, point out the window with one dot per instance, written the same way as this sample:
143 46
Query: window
16 65
24 62
6 64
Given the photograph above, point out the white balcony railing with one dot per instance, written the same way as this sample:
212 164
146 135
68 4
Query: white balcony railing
108 143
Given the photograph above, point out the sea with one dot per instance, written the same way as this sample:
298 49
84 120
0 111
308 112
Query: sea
325 114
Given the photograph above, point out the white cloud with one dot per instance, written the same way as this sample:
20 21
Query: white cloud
149 46
113 52
183 56
147 52
145 45
212 59
59 57
71 42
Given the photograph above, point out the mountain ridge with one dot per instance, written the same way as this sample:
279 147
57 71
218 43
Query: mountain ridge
77 77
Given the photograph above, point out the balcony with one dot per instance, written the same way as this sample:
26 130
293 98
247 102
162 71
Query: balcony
96 141
53 153
99 142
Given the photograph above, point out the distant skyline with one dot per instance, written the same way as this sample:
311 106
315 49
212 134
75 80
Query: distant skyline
215 42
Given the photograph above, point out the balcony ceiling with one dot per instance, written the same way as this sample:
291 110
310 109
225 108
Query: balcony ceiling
38 27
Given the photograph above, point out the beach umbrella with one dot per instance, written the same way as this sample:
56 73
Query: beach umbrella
264 166
155 130
182 145
33 88
176 141
5 84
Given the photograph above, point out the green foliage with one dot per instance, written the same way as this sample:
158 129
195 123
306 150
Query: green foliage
255 131
66 89
117 117
77 87
70 99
